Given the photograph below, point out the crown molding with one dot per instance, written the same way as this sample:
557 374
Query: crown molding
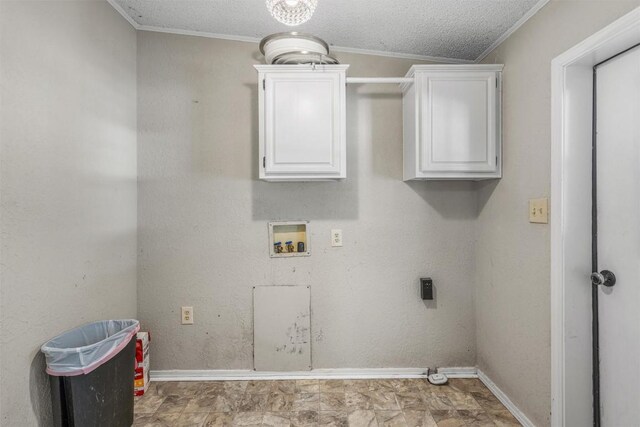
154 29
248 39
341 49
519 23
124 14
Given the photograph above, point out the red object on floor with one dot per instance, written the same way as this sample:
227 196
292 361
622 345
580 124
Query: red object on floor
141 379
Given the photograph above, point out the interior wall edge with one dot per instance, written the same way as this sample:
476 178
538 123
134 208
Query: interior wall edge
68 185
535 9
502 397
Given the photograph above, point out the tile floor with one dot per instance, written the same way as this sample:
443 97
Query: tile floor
392 402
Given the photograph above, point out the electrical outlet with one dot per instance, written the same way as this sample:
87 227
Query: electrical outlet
336 238
187 315
539 211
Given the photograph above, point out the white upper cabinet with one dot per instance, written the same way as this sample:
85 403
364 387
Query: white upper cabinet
452 122
302 122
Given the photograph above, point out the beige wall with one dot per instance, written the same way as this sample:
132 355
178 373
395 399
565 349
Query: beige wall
512 293
68 184
203 216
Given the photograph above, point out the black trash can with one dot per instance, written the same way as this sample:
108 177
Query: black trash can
92 372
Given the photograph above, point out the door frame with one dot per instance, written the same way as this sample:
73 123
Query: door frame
571 126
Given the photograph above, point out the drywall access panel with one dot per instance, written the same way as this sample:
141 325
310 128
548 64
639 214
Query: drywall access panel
302 122
282 328
452 122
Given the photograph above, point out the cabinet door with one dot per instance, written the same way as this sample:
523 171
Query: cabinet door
302 123
458 125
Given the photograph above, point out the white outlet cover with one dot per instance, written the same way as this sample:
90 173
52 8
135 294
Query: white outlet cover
336 237
187 315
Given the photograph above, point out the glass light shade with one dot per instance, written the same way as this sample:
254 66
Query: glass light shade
292 12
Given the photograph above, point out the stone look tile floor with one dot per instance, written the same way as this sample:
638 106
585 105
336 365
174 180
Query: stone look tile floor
391 402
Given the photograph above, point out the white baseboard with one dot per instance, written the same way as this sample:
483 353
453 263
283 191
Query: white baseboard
459 372
231 375
515 411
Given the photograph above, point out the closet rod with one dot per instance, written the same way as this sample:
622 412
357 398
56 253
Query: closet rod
384 80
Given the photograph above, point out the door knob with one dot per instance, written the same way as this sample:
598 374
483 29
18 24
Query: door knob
604 278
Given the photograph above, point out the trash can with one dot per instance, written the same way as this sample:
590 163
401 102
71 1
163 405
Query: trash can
91 370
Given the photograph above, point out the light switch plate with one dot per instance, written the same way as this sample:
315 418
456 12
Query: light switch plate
539 211
187 315
336 238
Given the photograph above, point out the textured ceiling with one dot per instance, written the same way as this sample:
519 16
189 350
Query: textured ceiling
460 29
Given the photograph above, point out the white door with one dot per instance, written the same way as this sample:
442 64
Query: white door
458 130
618 203
302 123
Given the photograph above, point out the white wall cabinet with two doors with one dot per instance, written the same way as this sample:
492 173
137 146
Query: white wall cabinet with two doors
451 113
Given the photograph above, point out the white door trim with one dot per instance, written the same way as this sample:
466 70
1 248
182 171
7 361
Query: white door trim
570 124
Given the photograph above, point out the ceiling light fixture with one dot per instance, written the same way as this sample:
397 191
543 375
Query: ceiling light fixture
292 12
